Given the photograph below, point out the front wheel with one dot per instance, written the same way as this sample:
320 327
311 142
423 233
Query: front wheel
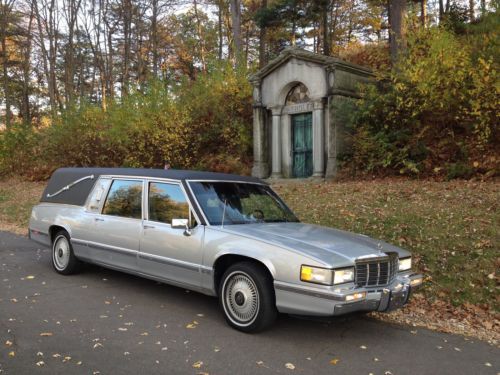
246 295
63 259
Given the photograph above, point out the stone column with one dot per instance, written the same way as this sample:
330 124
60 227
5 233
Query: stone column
276 139
318 128
260 150
260 145
286 145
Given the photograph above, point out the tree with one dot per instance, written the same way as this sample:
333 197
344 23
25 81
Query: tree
397 14
236 27
5 24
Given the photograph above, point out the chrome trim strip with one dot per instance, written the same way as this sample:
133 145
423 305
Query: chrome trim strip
288 288
169 261
98 246
67 187
171 182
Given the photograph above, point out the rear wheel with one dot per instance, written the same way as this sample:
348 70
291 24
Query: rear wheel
63 259
246 295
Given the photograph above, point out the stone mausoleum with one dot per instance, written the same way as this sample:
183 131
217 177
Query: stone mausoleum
297 127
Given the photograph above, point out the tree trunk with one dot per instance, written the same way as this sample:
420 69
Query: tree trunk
201 39
397 13
26 66
326 34
441 10
262 40
219 27
236 25
154 36
471 10
5 9
423 12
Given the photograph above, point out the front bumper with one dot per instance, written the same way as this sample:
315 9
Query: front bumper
305 300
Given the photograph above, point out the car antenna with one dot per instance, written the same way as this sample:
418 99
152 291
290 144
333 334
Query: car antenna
224 212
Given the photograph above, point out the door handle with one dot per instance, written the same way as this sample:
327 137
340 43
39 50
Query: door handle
98 219
146 226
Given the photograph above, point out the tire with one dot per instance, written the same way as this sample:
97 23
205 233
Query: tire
64 260
246 296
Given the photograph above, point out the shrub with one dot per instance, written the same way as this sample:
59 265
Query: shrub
437 107
205 123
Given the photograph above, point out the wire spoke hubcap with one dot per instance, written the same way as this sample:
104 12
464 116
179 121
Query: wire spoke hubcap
61 253
241 298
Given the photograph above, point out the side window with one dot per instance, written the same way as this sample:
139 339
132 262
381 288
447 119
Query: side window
124 199
98 194
167 202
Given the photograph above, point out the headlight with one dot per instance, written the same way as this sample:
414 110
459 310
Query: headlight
316 275
343 275
404 264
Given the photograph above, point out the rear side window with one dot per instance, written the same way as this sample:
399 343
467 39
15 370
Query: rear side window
124 199
167 202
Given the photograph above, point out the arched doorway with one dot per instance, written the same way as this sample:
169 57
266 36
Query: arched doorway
301 133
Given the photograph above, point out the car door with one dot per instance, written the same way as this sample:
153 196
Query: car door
84 228
118 227
166 252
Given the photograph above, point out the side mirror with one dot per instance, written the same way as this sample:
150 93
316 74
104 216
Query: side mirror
182 224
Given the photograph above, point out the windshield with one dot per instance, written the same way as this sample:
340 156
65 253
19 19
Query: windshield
226 203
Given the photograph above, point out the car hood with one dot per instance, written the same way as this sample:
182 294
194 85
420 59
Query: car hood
332 246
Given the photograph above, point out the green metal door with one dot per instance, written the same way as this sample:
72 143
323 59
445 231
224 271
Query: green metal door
302 145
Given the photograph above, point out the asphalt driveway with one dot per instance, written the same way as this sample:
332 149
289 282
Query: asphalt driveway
106 322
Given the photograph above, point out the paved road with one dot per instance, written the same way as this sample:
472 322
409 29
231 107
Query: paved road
105 322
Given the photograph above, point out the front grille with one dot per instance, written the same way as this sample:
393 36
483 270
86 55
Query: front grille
376 271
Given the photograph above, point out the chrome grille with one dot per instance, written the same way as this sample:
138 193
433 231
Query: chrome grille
376 271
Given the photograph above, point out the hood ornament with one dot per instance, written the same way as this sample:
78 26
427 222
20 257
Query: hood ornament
379 248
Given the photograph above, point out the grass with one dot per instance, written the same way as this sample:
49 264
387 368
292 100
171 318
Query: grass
16 199
451 227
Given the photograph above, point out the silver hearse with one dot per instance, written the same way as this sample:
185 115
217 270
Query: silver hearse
223 235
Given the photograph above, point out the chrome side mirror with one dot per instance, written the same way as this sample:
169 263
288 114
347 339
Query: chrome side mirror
182 224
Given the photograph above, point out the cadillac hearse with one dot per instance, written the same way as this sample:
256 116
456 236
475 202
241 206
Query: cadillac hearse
219 234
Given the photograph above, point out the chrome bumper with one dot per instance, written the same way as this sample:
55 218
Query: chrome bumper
312 301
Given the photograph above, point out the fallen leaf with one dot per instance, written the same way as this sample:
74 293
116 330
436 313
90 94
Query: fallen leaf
197 364
12 354
30 277
97 345
191 326
78 363
8 343
56 355
290 366
40 363
334 361
46 334
260 363
39 354
14 300
66 359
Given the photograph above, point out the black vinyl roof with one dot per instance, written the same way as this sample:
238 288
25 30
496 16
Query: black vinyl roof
55 191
